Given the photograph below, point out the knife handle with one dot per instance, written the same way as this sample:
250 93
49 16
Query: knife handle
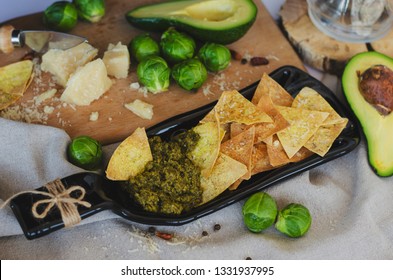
6 45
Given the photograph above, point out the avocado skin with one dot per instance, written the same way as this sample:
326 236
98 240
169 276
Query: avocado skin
220 36
377 128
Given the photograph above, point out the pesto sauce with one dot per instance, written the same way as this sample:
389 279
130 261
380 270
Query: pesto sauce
170 184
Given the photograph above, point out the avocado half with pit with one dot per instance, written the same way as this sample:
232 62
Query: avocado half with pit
368 87
219 21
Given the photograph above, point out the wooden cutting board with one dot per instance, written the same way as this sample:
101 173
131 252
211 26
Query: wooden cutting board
115 122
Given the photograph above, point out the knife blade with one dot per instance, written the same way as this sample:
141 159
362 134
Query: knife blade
38 40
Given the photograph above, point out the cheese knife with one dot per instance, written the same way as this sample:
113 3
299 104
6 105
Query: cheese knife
38 40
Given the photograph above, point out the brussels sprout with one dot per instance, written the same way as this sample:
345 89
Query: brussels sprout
85 152
176 46
294 220
189 74
153 72
259 212
61 16
90 10
143 46
216 57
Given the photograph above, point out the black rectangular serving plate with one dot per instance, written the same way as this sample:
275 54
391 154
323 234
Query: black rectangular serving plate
104 194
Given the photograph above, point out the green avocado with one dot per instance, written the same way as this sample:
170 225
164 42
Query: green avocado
218 21
368 87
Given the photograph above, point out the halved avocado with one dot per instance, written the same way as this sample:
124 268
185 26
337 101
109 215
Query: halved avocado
368 87
219 21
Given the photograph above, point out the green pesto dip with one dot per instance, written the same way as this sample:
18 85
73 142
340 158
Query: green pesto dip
170 184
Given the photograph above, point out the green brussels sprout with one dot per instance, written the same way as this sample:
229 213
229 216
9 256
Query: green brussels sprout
176 46
143 46
189 74
153 72
61 16
85 152
90 10
216 57
294 220
259 212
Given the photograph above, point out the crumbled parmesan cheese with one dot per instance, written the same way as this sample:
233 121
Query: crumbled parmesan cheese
49 109
141 109
94 116
44 96
143 90
135 85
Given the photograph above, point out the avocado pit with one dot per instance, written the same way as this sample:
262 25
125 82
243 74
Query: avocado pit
376 86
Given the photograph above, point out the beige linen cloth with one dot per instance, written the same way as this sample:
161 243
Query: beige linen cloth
352 212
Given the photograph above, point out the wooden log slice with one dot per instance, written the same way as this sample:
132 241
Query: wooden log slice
314 47
384 45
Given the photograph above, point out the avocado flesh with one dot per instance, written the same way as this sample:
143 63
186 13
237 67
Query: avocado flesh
377 128
220 21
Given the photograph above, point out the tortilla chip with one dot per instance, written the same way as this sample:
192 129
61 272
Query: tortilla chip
267 140
226 130
207 148
310 99
130 157
234 107
268 86
235 185
323 139
303 124
225 172
263 131
276 153
14 80
240 148
278 156
260 159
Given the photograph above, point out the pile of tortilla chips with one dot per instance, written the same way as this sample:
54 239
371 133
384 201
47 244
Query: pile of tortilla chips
15 78
240 138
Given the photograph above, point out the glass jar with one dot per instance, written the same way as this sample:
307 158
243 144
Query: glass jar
356 21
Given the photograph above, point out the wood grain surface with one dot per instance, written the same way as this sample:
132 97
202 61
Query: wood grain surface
115 122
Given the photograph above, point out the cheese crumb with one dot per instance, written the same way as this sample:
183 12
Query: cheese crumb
141 109
44 96
49 109
135 85
94 116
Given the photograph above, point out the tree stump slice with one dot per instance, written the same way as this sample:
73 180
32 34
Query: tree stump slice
384 45
314 47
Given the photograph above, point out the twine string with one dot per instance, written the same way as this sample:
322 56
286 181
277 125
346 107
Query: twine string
58 196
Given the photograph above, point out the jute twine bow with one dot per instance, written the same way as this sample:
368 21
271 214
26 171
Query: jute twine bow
60 196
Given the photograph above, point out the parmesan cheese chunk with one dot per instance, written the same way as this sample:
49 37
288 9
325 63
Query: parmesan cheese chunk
117 60
62 63
87 84
141 109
